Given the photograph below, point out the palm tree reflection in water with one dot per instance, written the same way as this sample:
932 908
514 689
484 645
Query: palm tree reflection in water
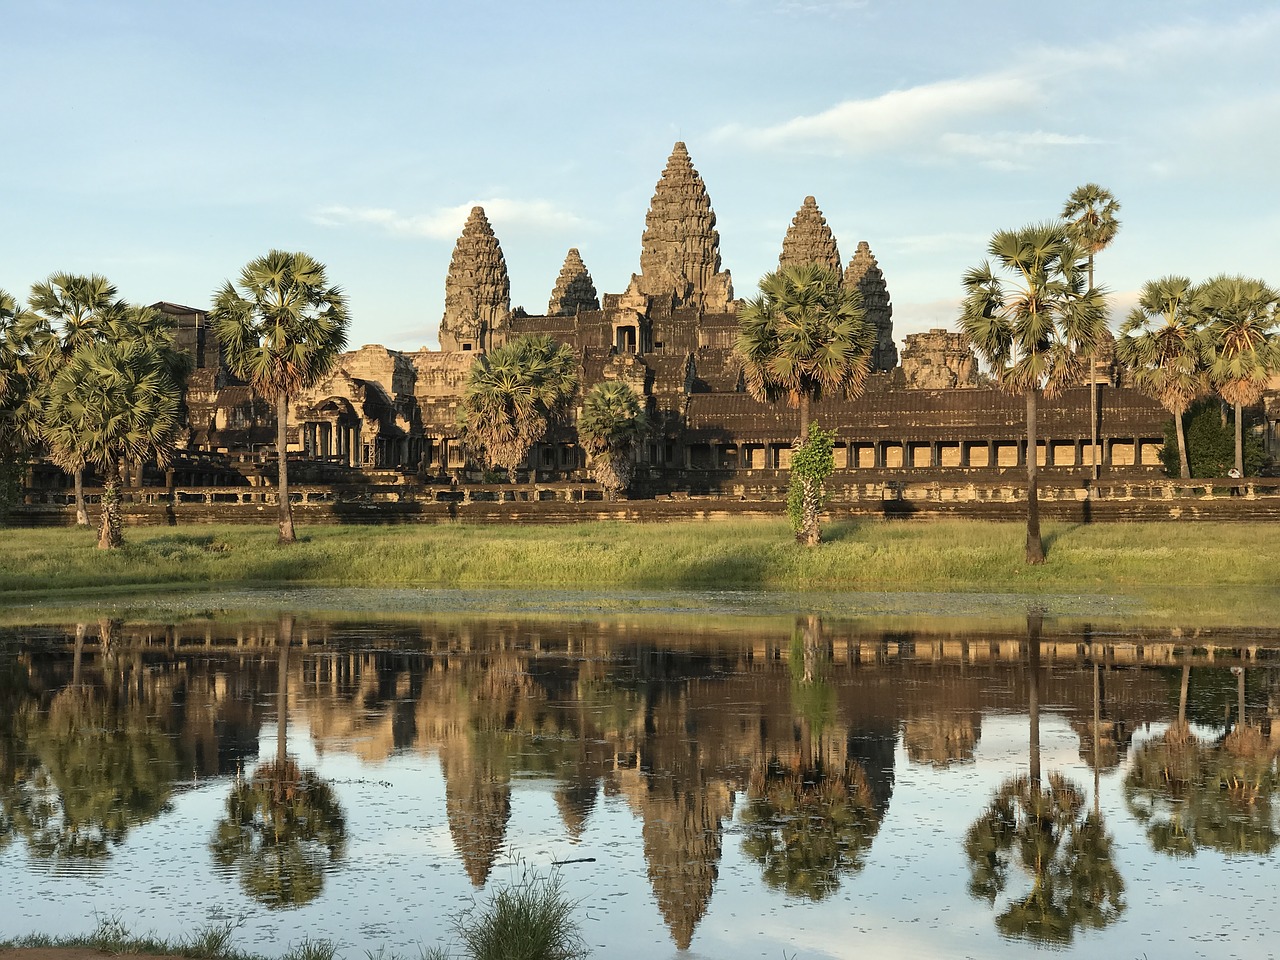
807 824
1194 794
284 826
1039 829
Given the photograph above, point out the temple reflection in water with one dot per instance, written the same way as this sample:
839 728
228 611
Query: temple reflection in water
776 746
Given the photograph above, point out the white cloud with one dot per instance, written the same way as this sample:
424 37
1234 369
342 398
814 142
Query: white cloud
861 126
1008 150
447 223
980 117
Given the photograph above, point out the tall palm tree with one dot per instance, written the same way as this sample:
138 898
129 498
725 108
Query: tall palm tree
116 401
1033 327
803 336
1242 317
281 328
18 382
513 394
1164 345
72 311
1090 212
611 426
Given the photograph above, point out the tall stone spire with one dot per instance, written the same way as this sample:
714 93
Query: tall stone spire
477 291
865 274
574 290
810 240
680 250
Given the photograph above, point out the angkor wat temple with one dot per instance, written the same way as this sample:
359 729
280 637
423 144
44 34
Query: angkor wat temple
670 337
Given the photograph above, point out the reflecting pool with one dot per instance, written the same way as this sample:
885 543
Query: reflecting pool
709 778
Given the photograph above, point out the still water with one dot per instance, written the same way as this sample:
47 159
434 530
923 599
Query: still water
706 782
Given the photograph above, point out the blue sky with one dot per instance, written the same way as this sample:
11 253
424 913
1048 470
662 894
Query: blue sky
165 144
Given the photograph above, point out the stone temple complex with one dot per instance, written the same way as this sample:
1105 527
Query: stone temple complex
670 336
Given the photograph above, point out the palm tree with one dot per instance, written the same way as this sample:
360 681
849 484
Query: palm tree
18 381
1090 213
1164 345
281 331
116 401
610 427
513 394
1034 328
1241 320
804 335
72 311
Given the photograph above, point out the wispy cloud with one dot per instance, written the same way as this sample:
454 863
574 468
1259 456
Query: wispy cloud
983 118
447 223
822 7
861 126
1008 150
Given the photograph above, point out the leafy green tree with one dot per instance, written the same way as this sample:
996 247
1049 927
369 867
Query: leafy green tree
611 427
1090 213
513 394
19 388
114 401
1242 321
72 312
812 463
803 336
281 328
1164 345
1210 439
1034 327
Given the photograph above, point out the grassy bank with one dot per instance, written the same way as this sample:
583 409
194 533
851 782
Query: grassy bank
939 556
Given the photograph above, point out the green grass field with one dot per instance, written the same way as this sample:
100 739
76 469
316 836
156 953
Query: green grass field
933 556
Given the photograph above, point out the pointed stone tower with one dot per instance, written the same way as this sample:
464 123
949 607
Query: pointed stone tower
865 274
680 250
477 291
574 290
810 240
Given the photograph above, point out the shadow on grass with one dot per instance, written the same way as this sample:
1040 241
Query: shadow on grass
839 530
1051 538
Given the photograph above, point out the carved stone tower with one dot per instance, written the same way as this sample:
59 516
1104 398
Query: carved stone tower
865 274
810 240
477 290
680 252
574 290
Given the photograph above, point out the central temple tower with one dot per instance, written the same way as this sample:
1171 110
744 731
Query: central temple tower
680 250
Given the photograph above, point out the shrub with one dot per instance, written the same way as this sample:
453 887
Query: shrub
530 919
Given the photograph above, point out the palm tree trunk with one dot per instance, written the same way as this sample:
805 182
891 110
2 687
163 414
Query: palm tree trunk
1035 620
1184 465
109 536
282 453
1035 546
1239 438
804 416
1093 410
82 515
